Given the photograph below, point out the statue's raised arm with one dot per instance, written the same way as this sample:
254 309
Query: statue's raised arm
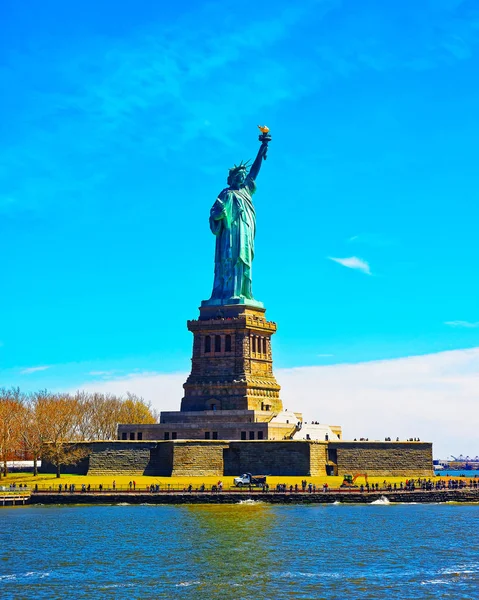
264 138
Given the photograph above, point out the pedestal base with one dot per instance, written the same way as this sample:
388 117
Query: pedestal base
232 364
232 301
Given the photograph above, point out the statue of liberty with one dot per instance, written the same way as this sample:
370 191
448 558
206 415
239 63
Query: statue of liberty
233 222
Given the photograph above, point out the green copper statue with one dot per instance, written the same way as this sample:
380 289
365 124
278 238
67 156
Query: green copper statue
233 222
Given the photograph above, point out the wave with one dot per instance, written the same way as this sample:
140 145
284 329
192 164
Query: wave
250 501
117 585
302 574
17 576
383 501
337 502
187 583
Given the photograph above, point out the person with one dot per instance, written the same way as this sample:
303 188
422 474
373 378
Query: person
114 484
134 485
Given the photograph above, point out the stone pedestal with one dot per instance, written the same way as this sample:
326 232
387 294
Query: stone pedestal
232 364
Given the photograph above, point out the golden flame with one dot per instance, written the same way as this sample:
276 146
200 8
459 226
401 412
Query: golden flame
263 128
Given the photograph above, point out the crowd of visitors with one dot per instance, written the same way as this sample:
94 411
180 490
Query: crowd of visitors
408 485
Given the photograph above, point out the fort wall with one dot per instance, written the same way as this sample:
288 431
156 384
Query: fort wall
383 458
267 458
190 458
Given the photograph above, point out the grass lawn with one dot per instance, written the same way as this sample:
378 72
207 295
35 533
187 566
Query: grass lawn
122 481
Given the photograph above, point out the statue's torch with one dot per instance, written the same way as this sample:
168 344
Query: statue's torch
264 138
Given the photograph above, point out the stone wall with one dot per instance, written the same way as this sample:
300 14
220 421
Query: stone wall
267 458
81 468
191 459
318 456
120 457
272 497
384 458
161 460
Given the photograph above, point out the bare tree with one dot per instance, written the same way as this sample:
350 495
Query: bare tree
11 403
105 416
137 410
51 425
58 420
30 430
101 413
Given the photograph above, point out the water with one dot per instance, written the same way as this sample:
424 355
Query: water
458 474
251 550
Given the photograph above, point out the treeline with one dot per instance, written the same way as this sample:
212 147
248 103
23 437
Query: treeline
44 424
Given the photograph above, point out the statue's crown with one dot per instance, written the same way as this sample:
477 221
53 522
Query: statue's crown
243 166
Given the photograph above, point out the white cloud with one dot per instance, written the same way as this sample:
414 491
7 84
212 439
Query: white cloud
29 370
104 374
434 397
466 324
353 262
164 390
376 240
324 355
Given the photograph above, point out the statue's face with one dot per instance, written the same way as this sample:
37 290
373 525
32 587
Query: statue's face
237 180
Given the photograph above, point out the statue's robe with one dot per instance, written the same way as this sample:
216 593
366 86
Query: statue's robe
233 221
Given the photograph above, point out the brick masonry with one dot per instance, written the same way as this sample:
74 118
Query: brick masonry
217 458
232 363
463 496
192 459
267 458
383 458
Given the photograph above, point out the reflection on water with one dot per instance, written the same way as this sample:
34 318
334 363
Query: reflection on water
235 543
248 550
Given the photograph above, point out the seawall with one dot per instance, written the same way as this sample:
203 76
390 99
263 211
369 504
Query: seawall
400 497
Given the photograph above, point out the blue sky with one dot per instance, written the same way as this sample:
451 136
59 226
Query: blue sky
120 120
